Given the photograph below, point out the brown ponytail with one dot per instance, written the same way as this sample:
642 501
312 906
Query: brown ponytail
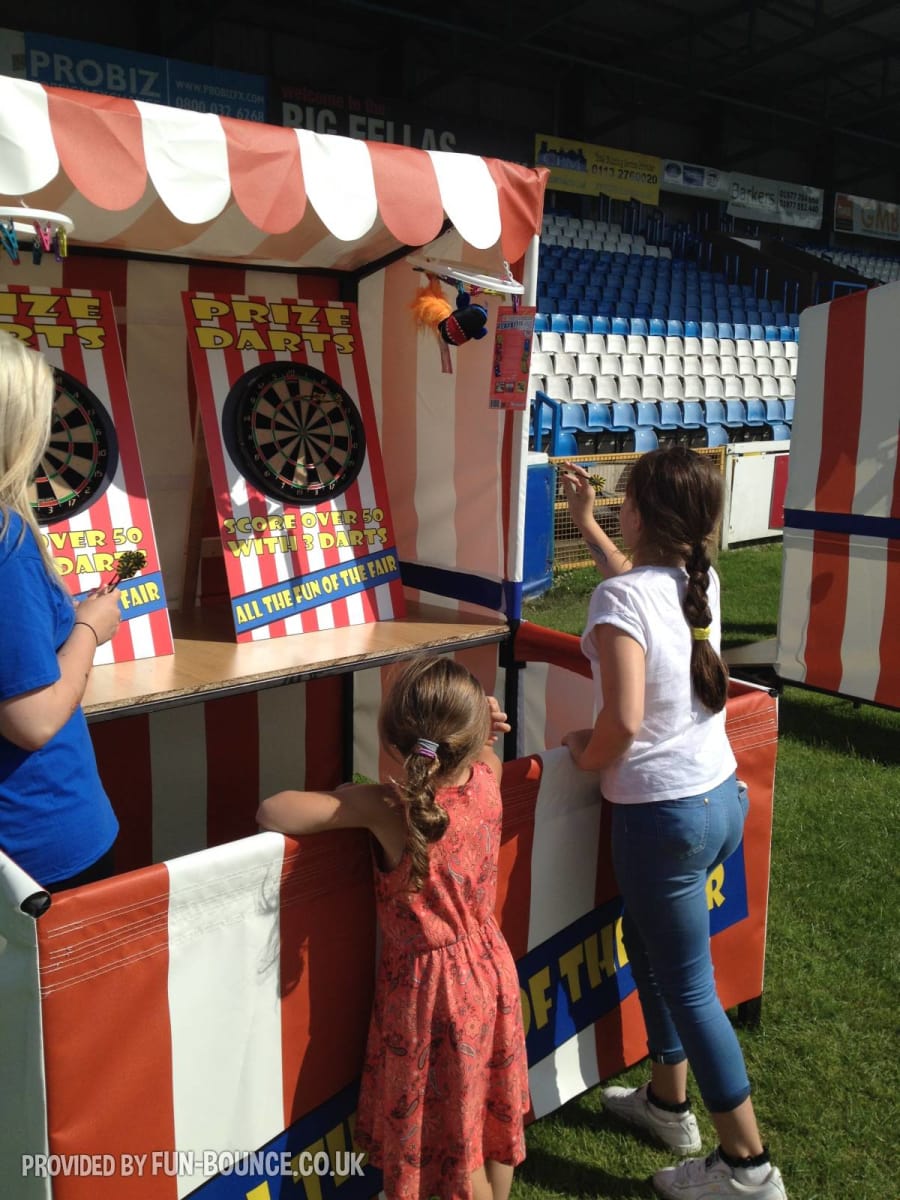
679 497
437 699
426 820
708 673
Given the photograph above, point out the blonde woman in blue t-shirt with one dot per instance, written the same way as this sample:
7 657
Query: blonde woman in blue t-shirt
56 821
652 636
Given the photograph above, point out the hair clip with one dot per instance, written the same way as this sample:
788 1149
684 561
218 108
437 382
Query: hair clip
426 748
701 635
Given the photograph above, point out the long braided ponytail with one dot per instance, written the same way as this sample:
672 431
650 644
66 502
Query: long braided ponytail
679 497
435 716
709 675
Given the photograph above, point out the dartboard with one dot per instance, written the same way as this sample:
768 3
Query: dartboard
293 432
81 456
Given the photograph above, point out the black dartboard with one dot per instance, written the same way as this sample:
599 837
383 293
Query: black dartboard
81 457
293 432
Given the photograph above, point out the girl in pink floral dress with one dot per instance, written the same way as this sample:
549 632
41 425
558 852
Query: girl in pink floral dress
445 1081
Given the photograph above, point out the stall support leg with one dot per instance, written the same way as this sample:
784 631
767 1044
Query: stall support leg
749 1013
347 697
511 693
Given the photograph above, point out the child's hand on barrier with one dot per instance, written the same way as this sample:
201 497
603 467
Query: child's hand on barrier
499 723
576 740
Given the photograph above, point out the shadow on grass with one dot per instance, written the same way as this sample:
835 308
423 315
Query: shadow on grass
546 1170
822 720
753 631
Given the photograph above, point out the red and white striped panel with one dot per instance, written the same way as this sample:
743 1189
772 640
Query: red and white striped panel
453 464
837 627
147 178
216 372
197 773
203 1004
123 506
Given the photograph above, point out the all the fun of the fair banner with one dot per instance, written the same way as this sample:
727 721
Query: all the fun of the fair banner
89 494
295 462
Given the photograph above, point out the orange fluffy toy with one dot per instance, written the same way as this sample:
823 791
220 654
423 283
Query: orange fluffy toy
430 306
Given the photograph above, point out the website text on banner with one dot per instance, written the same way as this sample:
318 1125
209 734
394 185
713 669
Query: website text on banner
598 170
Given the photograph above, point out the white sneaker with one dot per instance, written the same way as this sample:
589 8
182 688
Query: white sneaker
712 1179
675 1131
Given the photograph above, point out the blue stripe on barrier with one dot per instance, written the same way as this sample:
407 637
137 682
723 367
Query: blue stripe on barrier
500 595
848 523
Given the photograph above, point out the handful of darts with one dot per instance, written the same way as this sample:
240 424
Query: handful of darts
128 563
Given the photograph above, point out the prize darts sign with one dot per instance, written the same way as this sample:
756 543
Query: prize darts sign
89 495
295 463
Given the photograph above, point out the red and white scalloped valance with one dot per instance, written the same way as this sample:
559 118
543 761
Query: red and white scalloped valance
145 178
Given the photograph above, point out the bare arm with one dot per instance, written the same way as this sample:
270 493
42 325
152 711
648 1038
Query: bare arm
31 719
622 672
580 494
357 806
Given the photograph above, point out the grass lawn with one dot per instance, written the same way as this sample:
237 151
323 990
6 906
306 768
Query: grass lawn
824 1091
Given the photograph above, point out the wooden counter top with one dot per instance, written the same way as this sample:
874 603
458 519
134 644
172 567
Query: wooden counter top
208 663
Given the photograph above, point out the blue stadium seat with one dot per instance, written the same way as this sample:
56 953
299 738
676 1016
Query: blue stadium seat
742 331
581 323
657 327
644 440
773 333
674 329
786 333
621 325
757 333
541 323
601 323
691 328
639 326
647 414
715 435
756 414
560 322
725 329
736 420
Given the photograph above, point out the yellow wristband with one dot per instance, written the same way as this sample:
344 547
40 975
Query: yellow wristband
701 635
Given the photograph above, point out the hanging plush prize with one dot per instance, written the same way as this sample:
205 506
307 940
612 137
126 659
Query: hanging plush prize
467 322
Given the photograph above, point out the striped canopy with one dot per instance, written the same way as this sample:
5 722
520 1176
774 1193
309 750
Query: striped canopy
145 178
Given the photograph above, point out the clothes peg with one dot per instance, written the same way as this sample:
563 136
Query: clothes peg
10 241
45 233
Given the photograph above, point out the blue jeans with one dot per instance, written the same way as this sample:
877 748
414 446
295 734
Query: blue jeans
663 853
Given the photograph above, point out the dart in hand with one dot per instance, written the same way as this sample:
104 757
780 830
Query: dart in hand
128 563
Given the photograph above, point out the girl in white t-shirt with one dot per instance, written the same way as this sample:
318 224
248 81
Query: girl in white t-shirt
653 635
